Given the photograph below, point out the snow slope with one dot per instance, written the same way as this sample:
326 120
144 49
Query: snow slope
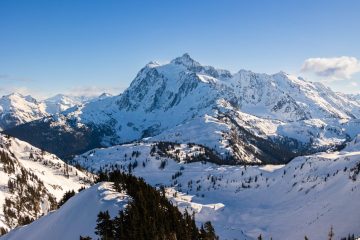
16 109
28 173
76 217
61 102
242 113
304 197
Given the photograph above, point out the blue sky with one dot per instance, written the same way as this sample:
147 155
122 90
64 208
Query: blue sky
90 46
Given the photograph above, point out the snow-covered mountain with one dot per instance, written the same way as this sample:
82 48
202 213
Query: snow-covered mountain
177 125
16 109
32 181
102 96
61 102
305 197
355 97
245 117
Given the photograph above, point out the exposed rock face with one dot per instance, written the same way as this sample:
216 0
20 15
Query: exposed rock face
244 114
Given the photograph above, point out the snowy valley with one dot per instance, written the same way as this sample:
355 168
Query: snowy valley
305 197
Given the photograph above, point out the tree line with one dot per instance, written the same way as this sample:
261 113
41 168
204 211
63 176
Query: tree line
149 215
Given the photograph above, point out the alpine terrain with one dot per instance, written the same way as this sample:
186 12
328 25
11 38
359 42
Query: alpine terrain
244 117
187 151
16 109
32 182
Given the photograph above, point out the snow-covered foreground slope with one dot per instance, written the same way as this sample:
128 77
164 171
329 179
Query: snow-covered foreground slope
76 217
304 197
246 115
32 181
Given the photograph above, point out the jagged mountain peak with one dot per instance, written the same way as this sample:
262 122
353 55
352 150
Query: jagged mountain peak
16 109
57 97
61 102
164 97
186 61
16 95
105 95
245 71
281 73
152 64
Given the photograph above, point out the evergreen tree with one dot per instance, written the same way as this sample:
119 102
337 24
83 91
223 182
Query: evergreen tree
118 226
85 238
349 237
2 231
202 234
104 227
149 215
67 196
207 232
331 233
260 237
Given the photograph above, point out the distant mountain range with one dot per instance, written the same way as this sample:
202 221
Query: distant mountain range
16 109
244 117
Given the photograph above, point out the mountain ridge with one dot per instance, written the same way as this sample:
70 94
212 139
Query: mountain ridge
17 109
302 116
32 182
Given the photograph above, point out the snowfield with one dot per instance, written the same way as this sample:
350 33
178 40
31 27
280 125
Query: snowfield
76 217
305 197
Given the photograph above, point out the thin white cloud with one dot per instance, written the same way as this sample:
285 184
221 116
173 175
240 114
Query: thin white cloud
335 68
354 84
41 94
92 91
15 89
6 77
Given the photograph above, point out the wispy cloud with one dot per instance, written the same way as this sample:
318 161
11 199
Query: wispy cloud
15 89
91 91
6 77
354 84
40 94
3 76
335 68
